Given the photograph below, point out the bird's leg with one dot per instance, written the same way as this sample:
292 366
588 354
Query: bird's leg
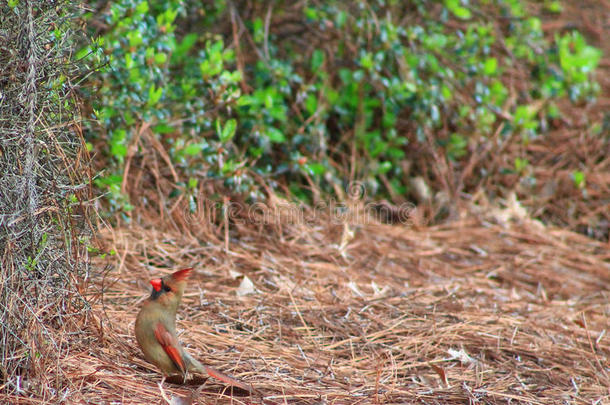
163 394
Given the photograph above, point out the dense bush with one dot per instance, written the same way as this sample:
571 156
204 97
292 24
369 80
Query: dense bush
44 194
321 93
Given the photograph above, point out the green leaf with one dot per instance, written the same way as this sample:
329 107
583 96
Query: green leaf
384 167
457 145
366 61
490 66
396 153
142 8
575 55
163 129
228 77
128 117
446 92
435 41
211 67
456 8
521 164
160 58
118 143
81 53
579 179
118 150
245 100
218 127
553 6
310 12
317 58
128 61
553 110
341 18
135 38
311 104
258 30
498 93
275 135
315 168
154 95
229 166
524 115
167 17
193 149
228 55
184 47
229 130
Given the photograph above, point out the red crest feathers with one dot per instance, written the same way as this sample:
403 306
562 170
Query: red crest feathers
182 274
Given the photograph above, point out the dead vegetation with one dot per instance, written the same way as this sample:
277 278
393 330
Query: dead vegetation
491 309
44 187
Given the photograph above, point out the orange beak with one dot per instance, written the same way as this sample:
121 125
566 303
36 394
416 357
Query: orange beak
156 283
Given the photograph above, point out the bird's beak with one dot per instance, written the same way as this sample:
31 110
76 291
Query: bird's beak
156 283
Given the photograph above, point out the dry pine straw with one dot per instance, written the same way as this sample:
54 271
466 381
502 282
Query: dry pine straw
476 311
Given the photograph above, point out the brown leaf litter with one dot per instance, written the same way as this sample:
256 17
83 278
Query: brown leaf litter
481 310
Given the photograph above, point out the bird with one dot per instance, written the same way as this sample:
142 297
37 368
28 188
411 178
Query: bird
155 331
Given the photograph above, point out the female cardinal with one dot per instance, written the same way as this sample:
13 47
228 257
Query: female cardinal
156 331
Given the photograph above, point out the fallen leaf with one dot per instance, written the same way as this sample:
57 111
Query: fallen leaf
245 287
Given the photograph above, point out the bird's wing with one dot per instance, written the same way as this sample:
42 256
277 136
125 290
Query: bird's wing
170 345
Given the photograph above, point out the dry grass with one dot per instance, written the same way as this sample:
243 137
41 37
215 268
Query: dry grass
478 311
44 189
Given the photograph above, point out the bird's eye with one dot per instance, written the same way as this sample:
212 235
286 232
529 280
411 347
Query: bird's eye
166 288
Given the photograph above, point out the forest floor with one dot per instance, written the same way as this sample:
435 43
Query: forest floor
493 308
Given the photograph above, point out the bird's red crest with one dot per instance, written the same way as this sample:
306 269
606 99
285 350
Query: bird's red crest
182 274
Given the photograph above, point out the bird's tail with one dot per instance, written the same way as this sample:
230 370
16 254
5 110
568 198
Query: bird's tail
195 365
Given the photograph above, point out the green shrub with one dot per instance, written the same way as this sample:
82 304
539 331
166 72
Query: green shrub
327 93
